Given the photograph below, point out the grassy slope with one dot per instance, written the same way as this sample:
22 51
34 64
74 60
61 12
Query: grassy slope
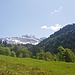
28 66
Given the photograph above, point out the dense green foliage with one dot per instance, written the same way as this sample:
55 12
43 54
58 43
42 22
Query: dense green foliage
64 37
5 51
65 54
14 51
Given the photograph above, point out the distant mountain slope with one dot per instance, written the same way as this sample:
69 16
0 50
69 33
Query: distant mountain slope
24 39
64 37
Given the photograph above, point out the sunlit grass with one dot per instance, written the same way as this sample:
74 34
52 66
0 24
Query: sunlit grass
29 66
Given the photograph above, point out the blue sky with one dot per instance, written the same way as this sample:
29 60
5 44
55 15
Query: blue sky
35 17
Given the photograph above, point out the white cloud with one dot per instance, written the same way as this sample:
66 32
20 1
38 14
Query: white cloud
45 27
56 27
53 27
57 10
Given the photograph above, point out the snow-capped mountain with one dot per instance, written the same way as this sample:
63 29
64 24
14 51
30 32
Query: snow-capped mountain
24 39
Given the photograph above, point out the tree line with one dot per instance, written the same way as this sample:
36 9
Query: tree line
29 51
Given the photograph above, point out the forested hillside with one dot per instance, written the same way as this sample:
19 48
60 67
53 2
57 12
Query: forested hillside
64 37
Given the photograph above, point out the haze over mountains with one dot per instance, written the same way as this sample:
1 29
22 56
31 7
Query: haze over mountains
24 39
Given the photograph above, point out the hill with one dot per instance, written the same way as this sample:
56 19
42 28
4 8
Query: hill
64 37
28 66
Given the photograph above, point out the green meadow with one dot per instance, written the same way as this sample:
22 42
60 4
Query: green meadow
28 66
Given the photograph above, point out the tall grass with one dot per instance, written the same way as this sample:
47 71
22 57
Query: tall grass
28 66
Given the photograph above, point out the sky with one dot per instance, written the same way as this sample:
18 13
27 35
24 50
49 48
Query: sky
35 17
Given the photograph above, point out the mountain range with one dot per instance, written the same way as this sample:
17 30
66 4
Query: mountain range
64 37
24 39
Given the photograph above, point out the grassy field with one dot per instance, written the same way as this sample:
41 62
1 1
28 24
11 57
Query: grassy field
28 66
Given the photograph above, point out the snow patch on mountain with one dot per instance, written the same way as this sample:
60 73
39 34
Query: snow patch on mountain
24 39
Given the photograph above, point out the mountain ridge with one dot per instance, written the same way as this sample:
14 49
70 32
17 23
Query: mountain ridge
24 39
64 37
